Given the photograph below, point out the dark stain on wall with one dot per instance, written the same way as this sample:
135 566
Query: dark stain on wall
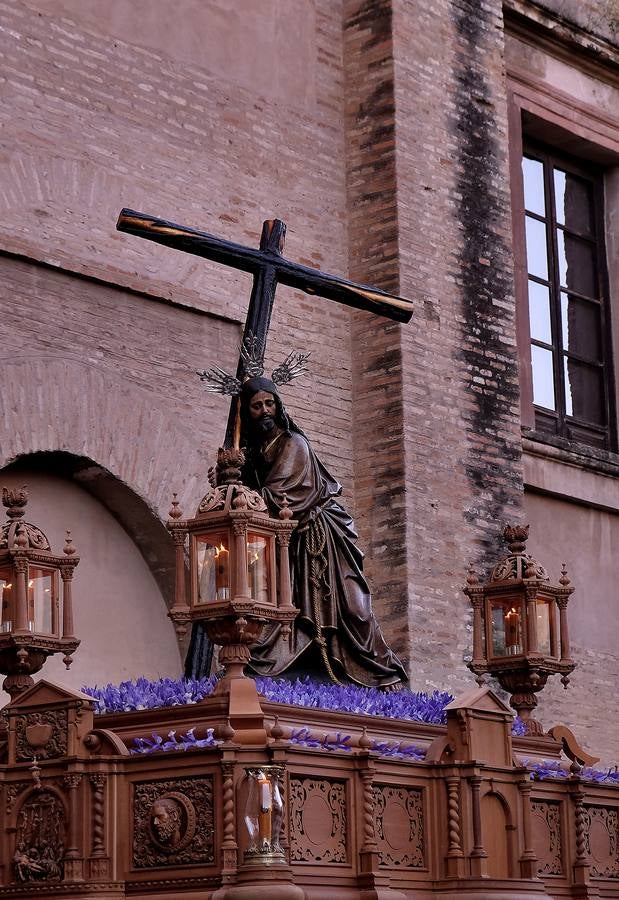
483 268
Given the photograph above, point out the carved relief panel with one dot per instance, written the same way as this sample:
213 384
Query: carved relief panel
318 820
173 822
603 841
40 839
547 836
399 826
42 734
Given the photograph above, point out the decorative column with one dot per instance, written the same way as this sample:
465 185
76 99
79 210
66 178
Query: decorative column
563 626
20 564
531 596
229 846
98 866
240 540
369 847
581 860
73 864
285 587
478 854
180 609
455 855
528 860
66 573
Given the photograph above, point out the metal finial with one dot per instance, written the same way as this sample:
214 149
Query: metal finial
175 510
68 548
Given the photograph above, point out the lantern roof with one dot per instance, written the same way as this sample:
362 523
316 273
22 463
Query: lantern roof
517 564
17 534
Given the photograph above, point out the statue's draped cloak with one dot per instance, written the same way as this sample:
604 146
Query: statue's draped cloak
323 552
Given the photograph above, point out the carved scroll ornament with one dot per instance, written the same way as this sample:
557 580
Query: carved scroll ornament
318 816
399 826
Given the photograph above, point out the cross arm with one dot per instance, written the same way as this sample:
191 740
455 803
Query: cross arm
304 278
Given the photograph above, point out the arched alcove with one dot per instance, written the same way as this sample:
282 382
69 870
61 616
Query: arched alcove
122 585
497 835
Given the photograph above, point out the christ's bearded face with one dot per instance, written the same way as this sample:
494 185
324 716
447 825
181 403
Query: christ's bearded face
262 412
165 818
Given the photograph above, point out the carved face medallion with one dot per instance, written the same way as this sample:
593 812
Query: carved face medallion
172 822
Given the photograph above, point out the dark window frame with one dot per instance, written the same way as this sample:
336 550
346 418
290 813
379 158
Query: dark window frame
558 423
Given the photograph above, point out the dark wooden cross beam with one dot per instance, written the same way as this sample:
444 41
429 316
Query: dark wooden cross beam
269 268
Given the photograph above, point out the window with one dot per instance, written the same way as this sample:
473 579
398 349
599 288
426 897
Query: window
568 314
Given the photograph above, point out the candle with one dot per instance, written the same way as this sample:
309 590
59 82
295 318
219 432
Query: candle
512 631
222 573
265 812
237 424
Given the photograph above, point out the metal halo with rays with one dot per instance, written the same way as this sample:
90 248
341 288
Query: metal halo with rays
217 380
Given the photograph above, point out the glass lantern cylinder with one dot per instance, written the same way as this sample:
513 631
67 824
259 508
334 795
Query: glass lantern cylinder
506 626
7 592
212 567
42 599
264 812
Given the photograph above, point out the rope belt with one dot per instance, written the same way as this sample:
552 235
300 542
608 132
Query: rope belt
319 585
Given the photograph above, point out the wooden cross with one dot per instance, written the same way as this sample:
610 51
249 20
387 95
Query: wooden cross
269 268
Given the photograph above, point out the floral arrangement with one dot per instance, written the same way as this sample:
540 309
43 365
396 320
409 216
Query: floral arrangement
187 741
301 736
549 769
145 694
167 692
406 705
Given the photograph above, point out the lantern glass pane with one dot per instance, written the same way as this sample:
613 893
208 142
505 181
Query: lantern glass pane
542 620
41 599
213 564
507 627
263 811
258 566
7 592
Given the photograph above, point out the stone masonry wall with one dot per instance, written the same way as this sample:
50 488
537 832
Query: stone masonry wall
136 105
376 353
428 178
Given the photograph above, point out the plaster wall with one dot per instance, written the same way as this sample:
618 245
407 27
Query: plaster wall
120 614
587 538
572 495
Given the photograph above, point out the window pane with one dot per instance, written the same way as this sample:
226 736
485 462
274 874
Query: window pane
543 378
537 258
584 396
257 567
213 563
40 600
542 608
533 178
539 312
576 264
581 327
8 600
574 202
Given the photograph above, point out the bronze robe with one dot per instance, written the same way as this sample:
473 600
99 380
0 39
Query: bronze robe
328 585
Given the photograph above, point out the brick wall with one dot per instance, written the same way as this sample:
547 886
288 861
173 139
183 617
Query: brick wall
100 113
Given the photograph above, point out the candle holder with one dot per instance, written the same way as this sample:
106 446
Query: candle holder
36 618
264 815
239 580
516 635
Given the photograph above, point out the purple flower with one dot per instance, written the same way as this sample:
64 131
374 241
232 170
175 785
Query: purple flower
407 705
188 741
549 769
145 694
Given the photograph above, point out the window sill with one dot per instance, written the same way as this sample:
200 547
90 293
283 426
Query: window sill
570 453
